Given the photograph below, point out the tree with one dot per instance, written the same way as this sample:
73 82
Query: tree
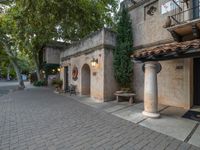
13 60
39 22
5 65
7 44
123 68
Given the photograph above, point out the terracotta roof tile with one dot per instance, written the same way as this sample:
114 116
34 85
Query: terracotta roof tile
166 48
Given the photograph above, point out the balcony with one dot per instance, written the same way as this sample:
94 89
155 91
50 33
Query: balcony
185 24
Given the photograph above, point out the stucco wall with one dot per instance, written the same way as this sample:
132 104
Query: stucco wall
110 84
94 46
149 29
98 38
52 55
96 73
174 83
138 81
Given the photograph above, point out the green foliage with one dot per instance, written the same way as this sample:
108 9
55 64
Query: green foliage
57 83
40 83
33 23
67 19
123 67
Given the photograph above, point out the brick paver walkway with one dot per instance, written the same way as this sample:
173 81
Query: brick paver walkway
37 119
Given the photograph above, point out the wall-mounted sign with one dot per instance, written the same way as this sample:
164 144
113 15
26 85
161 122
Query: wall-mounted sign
169 6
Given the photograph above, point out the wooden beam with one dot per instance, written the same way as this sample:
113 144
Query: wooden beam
176 36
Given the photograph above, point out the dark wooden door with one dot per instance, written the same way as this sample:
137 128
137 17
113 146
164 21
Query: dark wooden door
66 78
196 81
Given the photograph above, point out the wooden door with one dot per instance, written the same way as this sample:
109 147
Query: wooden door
66 78
196 81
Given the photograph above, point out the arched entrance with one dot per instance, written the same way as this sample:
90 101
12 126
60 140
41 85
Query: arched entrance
85 80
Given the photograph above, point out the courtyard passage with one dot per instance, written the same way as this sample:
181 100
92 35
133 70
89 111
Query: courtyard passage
38 119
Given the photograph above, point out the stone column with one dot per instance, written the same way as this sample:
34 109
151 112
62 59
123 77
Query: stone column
151 90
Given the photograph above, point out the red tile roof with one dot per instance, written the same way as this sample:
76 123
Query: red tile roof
166 48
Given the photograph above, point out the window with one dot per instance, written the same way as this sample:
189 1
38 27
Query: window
169 6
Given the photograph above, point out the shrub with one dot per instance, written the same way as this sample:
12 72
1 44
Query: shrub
40 83
57 83
123 67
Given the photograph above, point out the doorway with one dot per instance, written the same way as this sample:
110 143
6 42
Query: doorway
85 80
66 76
196 81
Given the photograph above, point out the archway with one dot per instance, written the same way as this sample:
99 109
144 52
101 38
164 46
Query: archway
85 80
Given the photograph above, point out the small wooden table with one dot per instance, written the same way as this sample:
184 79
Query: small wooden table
130 95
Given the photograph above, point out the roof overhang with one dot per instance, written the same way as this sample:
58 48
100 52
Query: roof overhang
168 51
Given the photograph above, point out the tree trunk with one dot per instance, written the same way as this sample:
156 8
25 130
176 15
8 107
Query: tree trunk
19 77
38 72
8 72
14 63
37 68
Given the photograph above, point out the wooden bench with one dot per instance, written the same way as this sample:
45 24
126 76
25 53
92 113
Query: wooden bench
130 95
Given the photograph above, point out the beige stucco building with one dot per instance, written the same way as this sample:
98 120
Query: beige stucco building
164 33
166 56
88 64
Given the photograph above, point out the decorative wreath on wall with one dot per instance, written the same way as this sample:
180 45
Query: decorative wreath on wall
75 73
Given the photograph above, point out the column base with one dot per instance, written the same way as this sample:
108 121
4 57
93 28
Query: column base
151 115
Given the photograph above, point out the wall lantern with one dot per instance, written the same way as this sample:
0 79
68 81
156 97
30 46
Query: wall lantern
94 62
58 69
53 70
43 72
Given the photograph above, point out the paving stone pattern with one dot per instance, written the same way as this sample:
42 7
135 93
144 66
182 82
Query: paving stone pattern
38 119
6 90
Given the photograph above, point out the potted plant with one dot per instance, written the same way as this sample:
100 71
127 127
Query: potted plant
57 83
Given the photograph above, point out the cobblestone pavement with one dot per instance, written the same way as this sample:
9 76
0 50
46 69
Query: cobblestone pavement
6 89
37 119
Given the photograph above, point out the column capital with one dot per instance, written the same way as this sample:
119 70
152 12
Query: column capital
153 64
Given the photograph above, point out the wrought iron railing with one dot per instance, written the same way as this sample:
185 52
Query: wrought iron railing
184 16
